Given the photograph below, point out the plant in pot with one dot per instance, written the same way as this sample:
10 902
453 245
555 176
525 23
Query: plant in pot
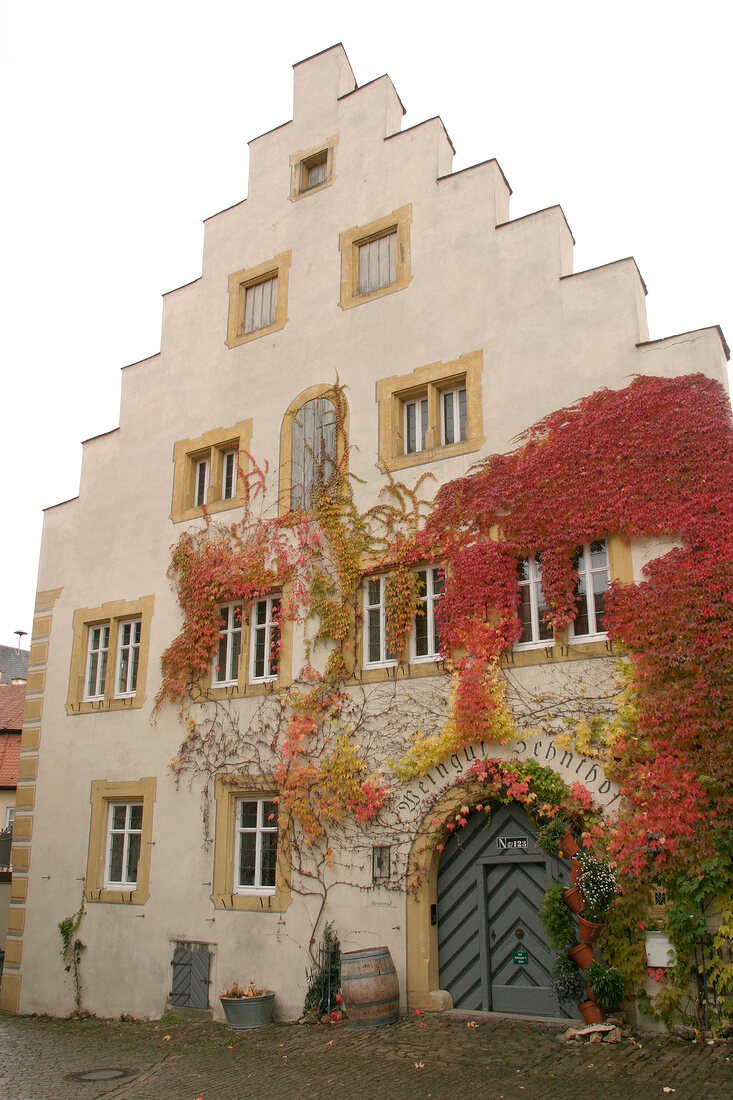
557 918
246 1008
567 983
597 884
606 983
555 837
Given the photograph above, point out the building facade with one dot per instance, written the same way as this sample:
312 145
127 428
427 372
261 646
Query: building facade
366 314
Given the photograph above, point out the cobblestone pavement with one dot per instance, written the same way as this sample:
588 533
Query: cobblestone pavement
453 1055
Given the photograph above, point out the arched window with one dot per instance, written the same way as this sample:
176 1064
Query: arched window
313 454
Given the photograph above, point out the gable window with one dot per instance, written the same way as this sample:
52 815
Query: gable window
256 846
375 623
313 450
259 305
258 300
591 561
208 471
265 638
128 656
453 416
378 263
425 642
312 169
96 675
375 258
226 667
123 848
532 605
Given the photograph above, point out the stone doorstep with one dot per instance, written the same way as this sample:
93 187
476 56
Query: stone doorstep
550 1021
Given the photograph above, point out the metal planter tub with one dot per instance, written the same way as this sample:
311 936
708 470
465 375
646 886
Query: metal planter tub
243 1013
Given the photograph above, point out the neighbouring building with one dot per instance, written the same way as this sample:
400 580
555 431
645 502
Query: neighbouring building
12 705
366 316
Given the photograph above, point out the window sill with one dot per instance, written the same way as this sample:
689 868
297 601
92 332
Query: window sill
104 704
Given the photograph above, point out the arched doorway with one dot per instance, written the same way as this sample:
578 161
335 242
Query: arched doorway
492 954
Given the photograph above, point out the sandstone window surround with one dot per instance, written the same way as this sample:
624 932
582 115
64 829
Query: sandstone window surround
313 169
251 853
258 300
109 656
311 447
376 258
435 412
208 471
254 649
120 841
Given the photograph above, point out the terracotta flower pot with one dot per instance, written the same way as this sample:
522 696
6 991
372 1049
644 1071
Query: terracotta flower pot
568 845
588 930
576 869
592 1012
583 955
574 899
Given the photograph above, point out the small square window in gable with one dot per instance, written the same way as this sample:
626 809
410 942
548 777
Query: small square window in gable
312 169
436 412
375 258
208 471
258 300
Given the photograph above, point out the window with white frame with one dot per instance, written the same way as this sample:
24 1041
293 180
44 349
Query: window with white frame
260 301
128 656
96 670
415 427
313 450
229 475
256 846
425 641
123 844
453 416
532 605
201 482
226 666
265 638
591 561
378 263
376 651
9 817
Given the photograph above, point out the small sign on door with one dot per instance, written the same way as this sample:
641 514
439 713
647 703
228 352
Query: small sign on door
505 842
520 957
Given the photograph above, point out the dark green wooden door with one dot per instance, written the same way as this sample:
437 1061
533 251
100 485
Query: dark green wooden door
492 953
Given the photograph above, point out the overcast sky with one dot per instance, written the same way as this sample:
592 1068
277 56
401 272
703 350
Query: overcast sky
123 126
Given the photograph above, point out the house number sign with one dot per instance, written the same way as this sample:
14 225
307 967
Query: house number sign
505 842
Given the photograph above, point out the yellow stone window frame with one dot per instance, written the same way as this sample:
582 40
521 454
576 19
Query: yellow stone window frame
240 281
285 484
111 614
429 382
351 240
228 789
301 161
244 686
212 445
103 795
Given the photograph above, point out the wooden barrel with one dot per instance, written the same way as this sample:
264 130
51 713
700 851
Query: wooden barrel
370 987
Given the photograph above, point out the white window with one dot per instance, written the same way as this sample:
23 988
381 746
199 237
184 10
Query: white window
535 631
378 263
128 656
265 638
313 455
259 305
375 623
425 636
229 475
123 844
96 673
201 482
415 424
256 846
591 561
453 416
226 667
9 817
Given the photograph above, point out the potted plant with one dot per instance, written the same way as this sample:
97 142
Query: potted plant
567 983
555 838
597 884
557 918
606 983
574 899
582 955
246 1008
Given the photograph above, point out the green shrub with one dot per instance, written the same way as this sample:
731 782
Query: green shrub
557 919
